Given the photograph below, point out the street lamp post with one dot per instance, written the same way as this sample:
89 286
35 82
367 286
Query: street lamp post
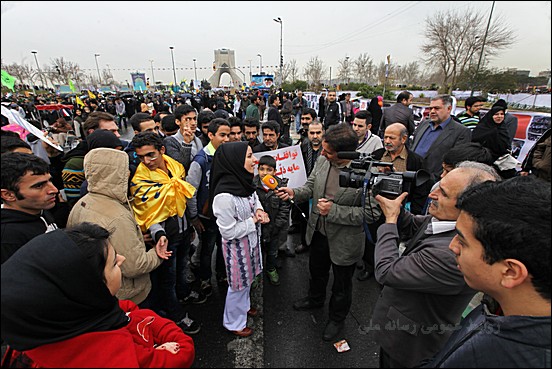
260 63
174 70
38 67
98 69
347 69
152 76
195 71
279 20
483 47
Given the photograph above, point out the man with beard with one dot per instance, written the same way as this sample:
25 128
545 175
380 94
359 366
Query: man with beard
271 135
310 149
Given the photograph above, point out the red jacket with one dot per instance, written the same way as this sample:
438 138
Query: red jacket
128 347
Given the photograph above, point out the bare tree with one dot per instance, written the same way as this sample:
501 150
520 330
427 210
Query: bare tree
290 71
363 66
380 73
62 70
407 74
22 73
315 72
454 38
345 69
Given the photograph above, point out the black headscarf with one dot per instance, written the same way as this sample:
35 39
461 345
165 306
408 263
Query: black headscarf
376 112
51 292
228 174
494 137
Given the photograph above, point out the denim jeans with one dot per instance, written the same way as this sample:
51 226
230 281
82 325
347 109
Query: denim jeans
297 122
164 281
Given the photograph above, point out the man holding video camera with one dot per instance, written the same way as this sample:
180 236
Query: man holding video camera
335 232
424 292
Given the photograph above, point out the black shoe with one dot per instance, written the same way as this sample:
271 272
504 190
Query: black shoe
332 330
306 304
290 254
189 326
365 275
301 249
194 297
294 229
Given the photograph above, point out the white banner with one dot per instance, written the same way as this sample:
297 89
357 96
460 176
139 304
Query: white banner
289 164
15 118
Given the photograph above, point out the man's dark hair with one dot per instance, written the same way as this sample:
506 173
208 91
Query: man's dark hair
15 165
205 116
252 122
272 98
472 100
235 122
139 118
267 160
512 220
216 124
4 133
254 98
271 125
93 120
147 139
472 151
92 241
364 114
309 111
341 137
183 110
404 95
168 123
9 143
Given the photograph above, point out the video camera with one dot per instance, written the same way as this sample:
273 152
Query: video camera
388 184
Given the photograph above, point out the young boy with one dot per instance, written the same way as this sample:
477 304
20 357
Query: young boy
278 212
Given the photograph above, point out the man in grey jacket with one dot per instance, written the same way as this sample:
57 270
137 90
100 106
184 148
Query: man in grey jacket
437 135
335 232
424 293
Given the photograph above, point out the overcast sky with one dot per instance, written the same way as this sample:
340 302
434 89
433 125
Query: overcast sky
127 35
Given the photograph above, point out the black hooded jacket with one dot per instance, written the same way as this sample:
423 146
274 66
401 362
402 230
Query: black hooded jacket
18 228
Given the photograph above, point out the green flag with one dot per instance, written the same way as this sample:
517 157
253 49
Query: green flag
8 80
71 86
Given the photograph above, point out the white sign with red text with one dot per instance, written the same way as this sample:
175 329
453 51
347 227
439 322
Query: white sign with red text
289 165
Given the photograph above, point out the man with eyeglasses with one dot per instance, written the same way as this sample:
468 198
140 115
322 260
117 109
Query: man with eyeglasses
470 117
333 111
438 134
160 195
184 145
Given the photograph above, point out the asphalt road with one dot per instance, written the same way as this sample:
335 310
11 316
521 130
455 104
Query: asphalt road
285 338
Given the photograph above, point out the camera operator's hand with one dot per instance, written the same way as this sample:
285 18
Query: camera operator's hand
391 208
324 206
285 193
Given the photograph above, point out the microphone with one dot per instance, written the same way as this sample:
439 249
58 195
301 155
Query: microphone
349 155
272 183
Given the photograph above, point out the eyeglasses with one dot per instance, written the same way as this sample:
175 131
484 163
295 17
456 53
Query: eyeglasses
151 156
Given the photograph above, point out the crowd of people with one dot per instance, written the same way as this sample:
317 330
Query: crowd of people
110 241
